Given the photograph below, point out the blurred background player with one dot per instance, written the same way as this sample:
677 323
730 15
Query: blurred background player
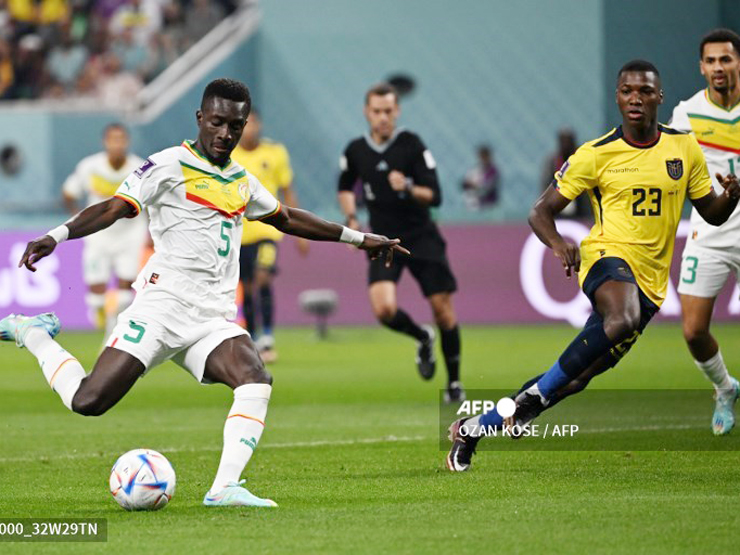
712 253
115 251
481 182
269 162
400 185
626 256
567 144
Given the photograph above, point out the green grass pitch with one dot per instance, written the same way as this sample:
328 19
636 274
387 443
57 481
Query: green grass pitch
351 455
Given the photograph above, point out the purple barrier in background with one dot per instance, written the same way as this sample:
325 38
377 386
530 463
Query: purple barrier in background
505 276
56 285
503 273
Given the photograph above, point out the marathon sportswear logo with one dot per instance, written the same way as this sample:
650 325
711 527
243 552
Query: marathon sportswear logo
623 170
563 169
145 167
674 168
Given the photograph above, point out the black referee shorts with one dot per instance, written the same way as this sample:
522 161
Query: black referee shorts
433 276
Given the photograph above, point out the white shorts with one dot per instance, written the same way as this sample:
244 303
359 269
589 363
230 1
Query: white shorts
704 274
158 327
99 264
114 251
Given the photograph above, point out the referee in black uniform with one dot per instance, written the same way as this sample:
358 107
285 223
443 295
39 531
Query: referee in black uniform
400 184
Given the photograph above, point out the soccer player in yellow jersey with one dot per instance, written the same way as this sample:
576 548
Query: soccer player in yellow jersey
270 163
637 177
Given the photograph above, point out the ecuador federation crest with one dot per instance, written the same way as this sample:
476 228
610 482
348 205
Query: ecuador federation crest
674 168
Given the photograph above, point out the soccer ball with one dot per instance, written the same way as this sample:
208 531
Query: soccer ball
142 480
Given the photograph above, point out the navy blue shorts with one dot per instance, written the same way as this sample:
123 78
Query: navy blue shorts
616 269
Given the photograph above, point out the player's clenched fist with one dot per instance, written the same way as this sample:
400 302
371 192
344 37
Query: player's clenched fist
36 250
730 185
570 256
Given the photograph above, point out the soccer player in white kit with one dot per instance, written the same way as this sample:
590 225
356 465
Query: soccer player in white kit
712 253
116 250
196 197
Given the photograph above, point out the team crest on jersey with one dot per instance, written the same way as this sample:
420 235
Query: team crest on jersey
563 169
145 167
244 191
674 168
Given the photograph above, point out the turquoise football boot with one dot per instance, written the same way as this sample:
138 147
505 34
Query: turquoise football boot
234 495
15 326
724 410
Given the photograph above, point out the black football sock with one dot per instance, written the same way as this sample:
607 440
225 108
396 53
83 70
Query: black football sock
248 307
402 322
451 352
266 308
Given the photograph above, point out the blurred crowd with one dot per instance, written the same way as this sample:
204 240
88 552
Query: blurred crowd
102 50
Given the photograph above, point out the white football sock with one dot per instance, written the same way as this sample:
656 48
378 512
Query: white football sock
242 432
716 371
473 426
63 371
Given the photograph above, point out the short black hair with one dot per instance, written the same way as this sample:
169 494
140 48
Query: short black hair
720 35
114 126
381 89
229 89
638 65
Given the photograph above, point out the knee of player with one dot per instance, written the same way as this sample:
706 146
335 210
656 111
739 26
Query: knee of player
695 335
258 374
88 404
622 326
385 313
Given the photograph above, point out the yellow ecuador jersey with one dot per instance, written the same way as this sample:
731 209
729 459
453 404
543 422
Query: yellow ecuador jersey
637 194
270 164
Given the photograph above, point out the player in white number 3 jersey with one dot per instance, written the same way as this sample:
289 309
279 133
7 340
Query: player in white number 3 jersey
712 253
196 197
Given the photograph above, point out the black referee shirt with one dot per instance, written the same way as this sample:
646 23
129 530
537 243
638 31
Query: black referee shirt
391 213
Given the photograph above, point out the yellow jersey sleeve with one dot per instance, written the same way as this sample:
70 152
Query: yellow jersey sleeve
283 171
700 184
578 174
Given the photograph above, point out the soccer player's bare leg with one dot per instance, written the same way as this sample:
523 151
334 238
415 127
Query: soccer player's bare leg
236 363
446 320
696 315
114 373
618 304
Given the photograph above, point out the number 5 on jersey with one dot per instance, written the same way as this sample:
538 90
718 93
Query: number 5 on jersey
225 226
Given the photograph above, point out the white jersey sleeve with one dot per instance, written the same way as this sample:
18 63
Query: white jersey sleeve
148 182
680 118
261 204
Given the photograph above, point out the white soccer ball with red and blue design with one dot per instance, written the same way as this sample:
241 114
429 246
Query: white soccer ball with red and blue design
142 480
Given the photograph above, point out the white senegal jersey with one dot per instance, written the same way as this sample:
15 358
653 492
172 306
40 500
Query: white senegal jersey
96 179
718 132
195 220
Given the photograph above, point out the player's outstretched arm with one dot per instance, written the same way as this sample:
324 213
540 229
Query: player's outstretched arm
542 222
303 223
88 221
714 208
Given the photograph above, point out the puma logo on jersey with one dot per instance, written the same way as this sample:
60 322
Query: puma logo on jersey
201 186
